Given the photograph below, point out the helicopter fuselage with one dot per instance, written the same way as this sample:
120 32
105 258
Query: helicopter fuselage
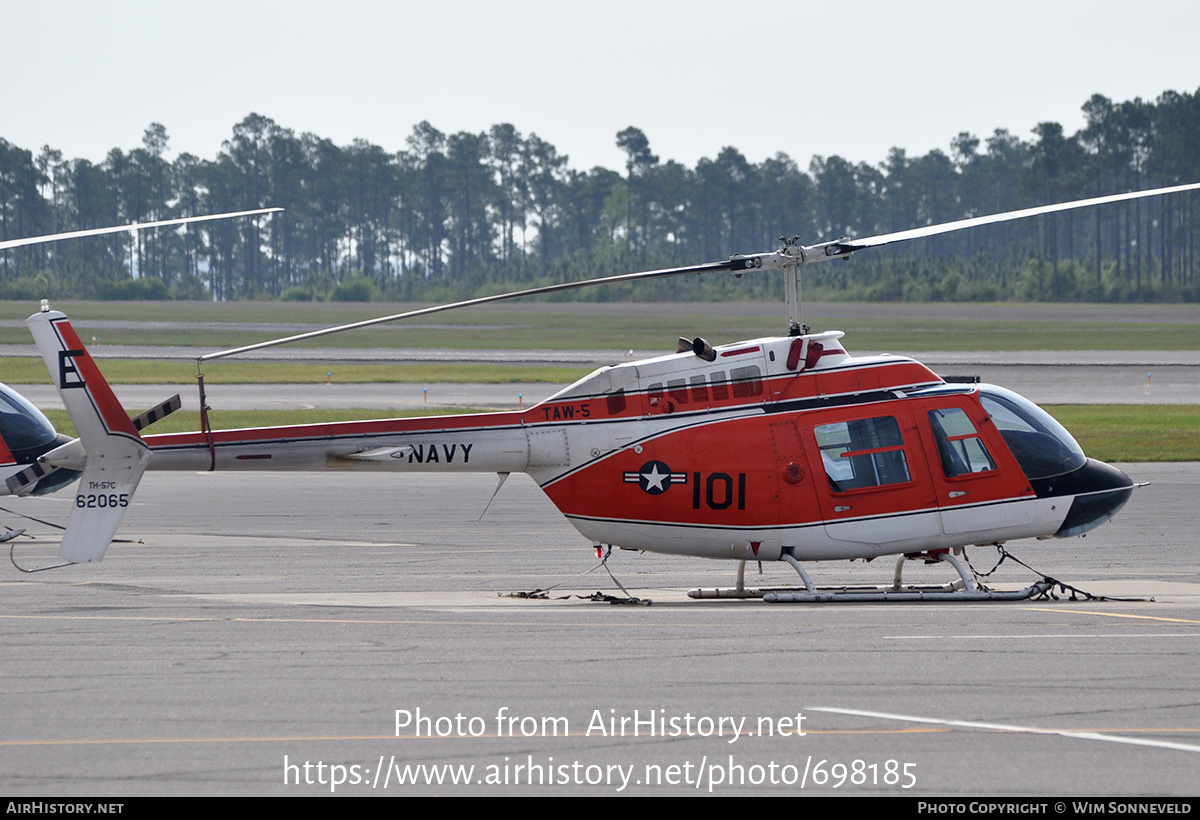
777 445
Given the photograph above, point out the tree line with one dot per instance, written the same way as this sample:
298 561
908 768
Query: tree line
454 215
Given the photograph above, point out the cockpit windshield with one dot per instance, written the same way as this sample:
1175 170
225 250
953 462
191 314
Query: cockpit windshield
24 428
1041 445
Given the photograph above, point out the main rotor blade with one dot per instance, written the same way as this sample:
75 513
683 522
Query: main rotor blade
736 263
132 226
1008 216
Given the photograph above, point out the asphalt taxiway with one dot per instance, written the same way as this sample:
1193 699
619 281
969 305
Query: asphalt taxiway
256 623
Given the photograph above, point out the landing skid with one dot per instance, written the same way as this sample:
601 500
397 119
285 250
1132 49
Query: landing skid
963 589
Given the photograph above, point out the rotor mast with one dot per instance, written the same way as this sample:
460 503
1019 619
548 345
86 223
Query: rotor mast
790 258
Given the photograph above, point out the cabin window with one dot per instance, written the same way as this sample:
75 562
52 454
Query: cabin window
747 381
654 395
720 390
677 390
616 402
862 453
958 443
699 389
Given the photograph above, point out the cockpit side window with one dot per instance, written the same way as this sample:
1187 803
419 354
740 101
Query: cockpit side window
961 450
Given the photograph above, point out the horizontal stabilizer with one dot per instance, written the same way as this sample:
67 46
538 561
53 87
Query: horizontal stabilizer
157 413
23 482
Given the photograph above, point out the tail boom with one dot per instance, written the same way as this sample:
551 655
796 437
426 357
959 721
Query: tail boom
479 443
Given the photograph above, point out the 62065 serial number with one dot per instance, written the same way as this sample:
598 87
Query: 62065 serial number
92 500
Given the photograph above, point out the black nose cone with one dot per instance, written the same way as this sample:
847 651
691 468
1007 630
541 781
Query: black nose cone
1100 490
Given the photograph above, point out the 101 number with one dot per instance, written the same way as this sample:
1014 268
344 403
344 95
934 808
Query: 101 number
719 490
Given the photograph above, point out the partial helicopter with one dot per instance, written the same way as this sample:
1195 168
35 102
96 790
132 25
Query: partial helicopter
783 448
25 433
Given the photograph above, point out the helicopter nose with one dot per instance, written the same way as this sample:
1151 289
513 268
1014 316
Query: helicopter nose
1100 490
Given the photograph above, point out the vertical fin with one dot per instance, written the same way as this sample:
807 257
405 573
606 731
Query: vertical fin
116 456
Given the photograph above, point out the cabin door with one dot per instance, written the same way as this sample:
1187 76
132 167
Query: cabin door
872 481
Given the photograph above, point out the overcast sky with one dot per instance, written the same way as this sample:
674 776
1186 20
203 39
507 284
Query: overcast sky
805 78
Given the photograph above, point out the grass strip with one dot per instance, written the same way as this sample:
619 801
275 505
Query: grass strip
1133 432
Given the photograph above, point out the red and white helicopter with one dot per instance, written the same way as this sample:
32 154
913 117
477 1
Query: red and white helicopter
775 449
